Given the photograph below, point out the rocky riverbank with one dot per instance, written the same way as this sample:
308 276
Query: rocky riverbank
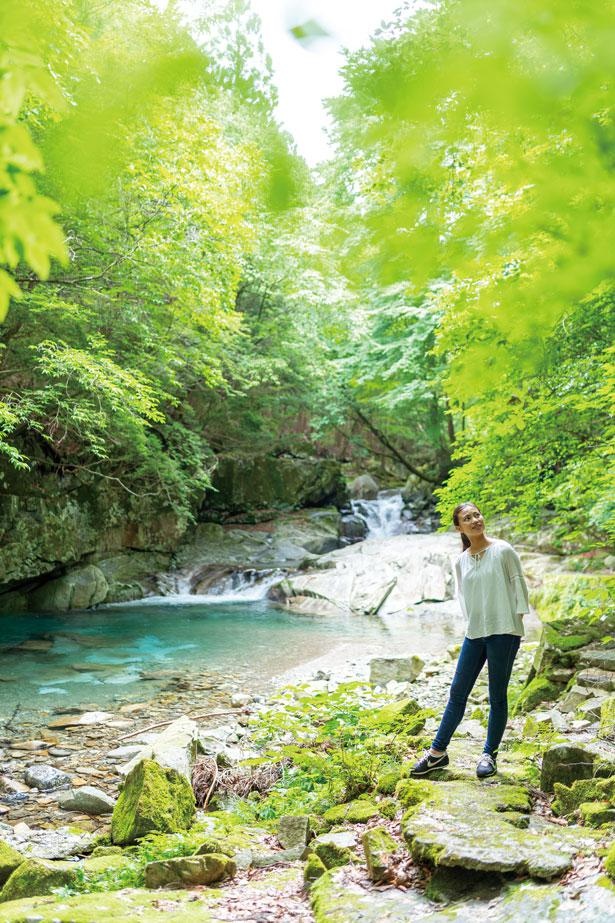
311 810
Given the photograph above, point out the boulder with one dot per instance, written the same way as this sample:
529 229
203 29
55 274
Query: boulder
34 877
10 859
565 763
86 800
364 487
44 777
153 799
400 669
244 483
293 830
189 871
377 576
176 747
80 588
379 847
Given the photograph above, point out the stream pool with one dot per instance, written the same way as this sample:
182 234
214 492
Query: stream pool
51 661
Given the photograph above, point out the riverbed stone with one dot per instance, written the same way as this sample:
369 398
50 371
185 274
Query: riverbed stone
573 698
383 670
35 877
87 800
565 763
596 678
125 906
153 799
175 747
189 871
601 658
293 830
45 777
476 826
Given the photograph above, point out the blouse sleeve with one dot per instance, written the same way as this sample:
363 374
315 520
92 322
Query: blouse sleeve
459 587
514 572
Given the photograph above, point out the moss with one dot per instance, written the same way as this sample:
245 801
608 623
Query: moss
353 812
388 808
393 717
609 861
597 813
568 798
314 868
34 877
333 856
387 782
10 859
412 792
124 907
153 798
106 851
188 871
537 690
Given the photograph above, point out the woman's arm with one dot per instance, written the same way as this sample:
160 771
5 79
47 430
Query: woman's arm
514 572
459 587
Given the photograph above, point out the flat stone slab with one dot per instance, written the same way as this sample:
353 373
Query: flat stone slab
336 898
481 827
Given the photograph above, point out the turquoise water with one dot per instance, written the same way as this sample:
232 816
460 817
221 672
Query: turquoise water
96 657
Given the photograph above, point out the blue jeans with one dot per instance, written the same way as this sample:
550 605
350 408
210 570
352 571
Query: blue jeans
499 651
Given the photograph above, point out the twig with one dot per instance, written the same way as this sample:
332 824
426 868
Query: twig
161 724
211 787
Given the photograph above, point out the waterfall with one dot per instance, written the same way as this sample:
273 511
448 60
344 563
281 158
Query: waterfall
218 584
383 516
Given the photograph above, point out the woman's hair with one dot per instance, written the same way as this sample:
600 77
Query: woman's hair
465 541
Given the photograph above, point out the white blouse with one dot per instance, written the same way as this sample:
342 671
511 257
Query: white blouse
492 591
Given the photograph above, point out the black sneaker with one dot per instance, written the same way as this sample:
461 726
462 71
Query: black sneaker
429 763
486 766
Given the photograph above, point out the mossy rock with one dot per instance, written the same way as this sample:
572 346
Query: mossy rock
379 847
609 862
106 851
353 812
537 690
597 813
387 782
607 719
397 716
153 798
189 871
388 808
314 868
468 825
10 860
568 798
34 877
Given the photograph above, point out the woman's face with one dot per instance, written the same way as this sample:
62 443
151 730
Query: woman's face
471 521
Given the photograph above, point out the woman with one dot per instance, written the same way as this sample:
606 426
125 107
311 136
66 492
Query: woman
493 597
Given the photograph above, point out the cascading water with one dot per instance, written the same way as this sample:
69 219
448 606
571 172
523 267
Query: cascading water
218 585
382 516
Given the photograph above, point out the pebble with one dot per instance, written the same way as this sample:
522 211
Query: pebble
45 777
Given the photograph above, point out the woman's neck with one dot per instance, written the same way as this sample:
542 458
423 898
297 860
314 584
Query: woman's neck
479 543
